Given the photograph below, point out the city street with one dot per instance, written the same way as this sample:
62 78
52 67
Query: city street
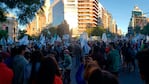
124 78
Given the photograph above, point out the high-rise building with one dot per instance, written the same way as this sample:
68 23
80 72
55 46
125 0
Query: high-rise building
119 32
137 19
79 14
100 13
87 14
66 10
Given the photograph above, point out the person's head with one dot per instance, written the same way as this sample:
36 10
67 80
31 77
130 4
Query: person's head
66 51
47 71
53 55
90 67
22 49
27 55
112 45
102 77
36 56
143 61
14 51
3 56
96 49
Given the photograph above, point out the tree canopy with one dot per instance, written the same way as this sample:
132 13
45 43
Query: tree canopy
2 15
97 31
137 29
3 33
145 30
63 28
25 10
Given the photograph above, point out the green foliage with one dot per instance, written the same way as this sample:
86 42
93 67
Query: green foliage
53 30
145 30
27 8
137 29
3 33
97 31
2 15
22 34
63 29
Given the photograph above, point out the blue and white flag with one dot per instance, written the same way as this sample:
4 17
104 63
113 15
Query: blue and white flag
58 39
49 33
83 39
86 48
10 40
104 37
42 39
24 41
66 36
3 41
147 39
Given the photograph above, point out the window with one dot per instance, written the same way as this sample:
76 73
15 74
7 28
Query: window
70 0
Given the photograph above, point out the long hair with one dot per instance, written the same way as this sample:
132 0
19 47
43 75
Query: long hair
48 70
36 57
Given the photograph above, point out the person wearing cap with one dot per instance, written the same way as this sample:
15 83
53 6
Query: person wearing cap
6 74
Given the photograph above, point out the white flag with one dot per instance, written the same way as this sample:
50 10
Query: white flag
24 41
147 39
10 40
104 37
42 39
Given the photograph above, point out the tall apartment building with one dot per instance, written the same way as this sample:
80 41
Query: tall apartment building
87 14
137 19
119 31
100 7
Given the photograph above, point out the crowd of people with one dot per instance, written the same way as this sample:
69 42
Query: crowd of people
52 64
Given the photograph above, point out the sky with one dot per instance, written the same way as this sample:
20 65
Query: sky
121 10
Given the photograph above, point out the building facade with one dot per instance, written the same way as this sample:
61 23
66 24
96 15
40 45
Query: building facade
87 14
11 26
137 19
41 20
79 14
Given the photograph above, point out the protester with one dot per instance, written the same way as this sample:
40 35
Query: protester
143 61
113 60
67 64
102 77
76 52
95 75
6 74
32 68
80 71
131 57
49 72
98 56
19 63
